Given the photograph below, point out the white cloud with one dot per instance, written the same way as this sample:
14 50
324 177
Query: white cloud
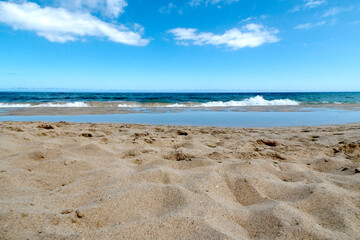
221 1
60 25
247 19
251 35
314 3
168 8
253 18
295 9
336 10
310 25
110 8
308 4
196 3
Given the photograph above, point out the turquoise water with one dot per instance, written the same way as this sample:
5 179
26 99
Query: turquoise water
211 118
202 102
171 100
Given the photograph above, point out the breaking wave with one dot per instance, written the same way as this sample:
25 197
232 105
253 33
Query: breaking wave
27 105
253 101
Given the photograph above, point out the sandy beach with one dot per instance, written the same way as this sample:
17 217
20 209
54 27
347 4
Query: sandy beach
126 181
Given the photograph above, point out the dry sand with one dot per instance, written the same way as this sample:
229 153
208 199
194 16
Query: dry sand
116 181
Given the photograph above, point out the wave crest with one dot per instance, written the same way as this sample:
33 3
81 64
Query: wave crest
253 101
28 105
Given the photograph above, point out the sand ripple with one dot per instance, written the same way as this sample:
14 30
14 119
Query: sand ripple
114 181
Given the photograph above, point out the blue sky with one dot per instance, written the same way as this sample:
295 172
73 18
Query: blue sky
189 45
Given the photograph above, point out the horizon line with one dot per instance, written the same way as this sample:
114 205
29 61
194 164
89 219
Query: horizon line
71 90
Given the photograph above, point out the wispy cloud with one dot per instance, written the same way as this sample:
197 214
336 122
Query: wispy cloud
314 3
295 9
167 9
196 3
310 25
61 25
336 10
247 19
109 8
308 4
251 35
253 18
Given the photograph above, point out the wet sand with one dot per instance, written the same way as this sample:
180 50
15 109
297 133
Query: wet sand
53 111
127 181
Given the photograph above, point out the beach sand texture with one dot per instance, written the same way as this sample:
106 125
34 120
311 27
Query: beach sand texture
126 181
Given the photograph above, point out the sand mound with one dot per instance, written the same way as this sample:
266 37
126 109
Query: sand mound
113 181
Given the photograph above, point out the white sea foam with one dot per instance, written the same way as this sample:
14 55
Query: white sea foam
28 105
14 105
177 105
152 105
129 105
69 104
253 101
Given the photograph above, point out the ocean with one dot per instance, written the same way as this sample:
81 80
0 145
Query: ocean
197 109
172 100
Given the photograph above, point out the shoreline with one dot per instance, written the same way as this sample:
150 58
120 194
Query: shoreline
51 111
223 118
302 129
111 180
197 127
